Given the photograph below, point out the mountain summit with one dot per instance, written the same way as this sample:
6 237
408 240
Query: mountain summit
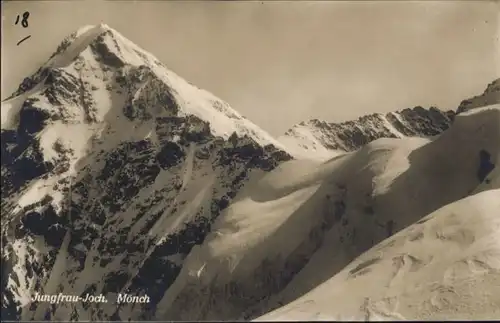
113 166
96 69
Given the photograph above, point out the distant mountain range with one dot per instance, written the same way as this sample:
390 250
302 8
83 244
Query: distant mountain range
121 179
490 96
319 139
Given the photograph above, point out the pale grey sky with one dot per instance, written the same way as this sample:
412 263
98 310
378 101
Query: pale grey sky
279 63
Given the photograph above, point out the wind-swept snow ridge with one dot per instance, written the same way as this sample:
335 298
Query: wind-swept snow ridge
444 267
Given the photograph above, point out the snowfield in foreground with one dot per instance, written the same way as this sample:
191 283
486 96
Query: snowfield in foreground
444 267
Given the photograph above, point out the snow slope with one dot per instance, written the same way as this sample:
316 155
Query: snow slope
299 225
444 267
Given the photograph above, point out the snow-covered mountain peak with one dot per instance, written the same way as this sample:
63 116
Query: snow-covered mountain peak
109 159
96 71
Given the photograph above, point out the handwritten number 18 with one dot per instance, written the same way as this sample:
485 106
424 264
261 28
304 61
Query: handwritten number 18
24 21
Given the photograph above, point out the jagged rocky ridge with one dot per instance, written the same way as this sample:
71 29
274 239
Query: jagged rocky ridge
110 175
352 135
317 135
491 95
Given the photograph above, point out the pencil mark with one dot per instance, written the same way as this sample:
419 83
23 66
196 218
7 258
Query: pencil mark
19 42
24 21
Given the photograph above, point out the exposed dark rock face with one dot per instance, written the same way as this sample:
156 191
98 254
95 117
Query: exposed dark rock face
103 53
485 165
170 155
490 96
422 122
347 136
31 118
22 159
153 96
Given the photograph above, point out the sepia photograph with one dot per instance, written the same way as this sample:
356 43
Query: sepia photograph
186 160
